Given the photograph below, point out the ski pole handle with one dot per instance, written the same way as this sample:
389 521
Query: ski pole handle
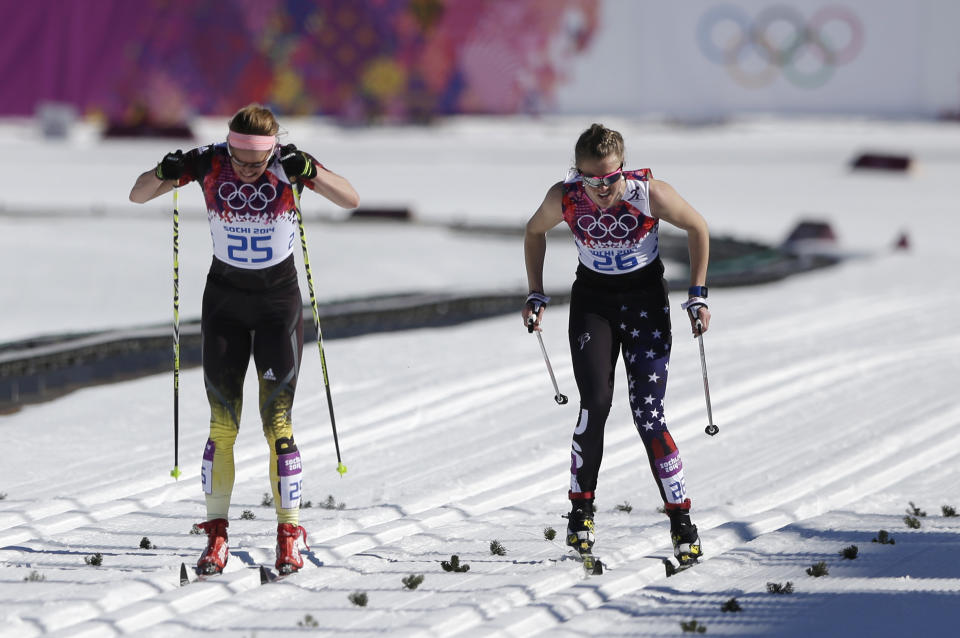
532 318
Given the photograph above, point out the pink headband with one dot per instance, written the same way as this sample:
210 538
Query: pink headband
251 142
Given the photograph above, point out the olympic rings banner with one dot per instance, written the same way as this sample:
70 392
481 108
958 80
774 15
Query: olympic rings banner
703 59
777 39
410 60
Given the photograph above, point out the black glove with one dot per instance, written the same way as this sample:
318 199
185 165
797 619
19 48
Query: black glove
297 163
171 166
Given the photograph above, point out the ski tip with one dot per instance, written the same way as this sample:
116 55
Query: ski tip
595 568
265 575
669 567
341 469
672 569
184 576
591 564
175 472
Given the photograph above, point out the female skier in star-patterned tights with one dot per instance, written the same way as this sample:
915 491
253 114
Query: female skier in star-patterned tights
619 306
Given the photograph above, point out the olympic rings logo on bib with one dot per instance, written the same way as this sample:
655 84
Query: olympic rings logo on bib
780 41
247 195
607 226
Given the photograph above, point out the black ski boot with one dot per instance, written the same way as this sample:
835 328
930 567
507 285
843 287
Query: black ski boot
580 532
686 541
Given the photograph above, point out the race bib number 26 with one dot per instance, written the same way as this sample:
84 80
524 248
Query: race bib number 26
616 262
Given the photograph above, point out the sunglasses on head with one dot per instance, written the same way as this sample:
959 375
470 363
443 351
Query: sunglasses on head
241 164
605 180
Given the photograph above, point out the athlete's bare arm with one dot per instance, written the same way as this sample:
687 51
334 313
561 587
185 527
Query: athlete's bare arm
547 216
148 186
334 187
666 204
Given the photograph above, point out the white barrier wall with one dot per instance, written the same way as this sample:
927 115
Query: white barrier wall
702 59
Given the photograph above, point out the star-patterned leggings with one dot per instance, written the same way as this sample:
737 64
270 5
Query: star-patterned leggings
629 316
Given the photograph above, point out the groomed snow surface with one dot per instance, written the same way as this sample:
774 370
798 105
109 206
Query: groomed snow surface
835 393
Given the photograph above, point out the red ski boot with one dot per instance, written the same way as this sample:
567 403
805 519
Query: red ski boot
288 554
214 557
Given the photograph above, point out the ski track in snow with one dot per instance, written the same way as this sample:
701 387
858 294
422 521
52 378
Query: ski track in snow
447 453
834 393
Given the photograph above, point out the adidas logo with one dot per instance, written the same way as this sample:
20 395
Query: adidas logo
268 375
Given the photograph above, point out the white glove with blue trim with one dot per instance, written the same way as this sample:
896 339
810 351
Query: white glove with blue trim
693 305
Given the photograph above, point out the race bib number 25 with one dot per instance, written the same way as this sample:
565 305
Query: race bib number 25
261 247
253 250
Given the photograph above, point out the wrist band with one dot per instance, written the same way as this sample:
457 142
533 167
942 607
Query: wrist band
538 296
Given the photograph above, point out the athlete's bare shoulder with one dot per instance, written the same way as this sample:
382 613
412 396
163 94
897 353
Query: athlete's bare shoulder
554 195
550 212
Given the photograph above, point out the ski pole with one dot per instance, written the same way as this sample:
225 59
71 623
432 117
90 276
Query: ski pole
558 397
175 472
341 468
711 429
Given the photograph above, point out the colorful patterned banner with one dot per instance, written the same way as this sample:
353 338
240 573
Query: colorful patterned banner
400 60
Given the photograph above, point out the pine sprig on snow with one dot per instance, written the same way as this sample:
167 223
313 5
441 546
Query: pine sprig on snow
778 588
359 598
731 605
818 569
884 538
549 533
915 511
331 504
412 581
308 621
692 626
850 553
497 548
453 565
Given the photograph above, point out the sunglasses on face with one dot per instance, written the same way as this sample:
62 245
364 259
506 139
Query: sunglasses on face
241 164
606 180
